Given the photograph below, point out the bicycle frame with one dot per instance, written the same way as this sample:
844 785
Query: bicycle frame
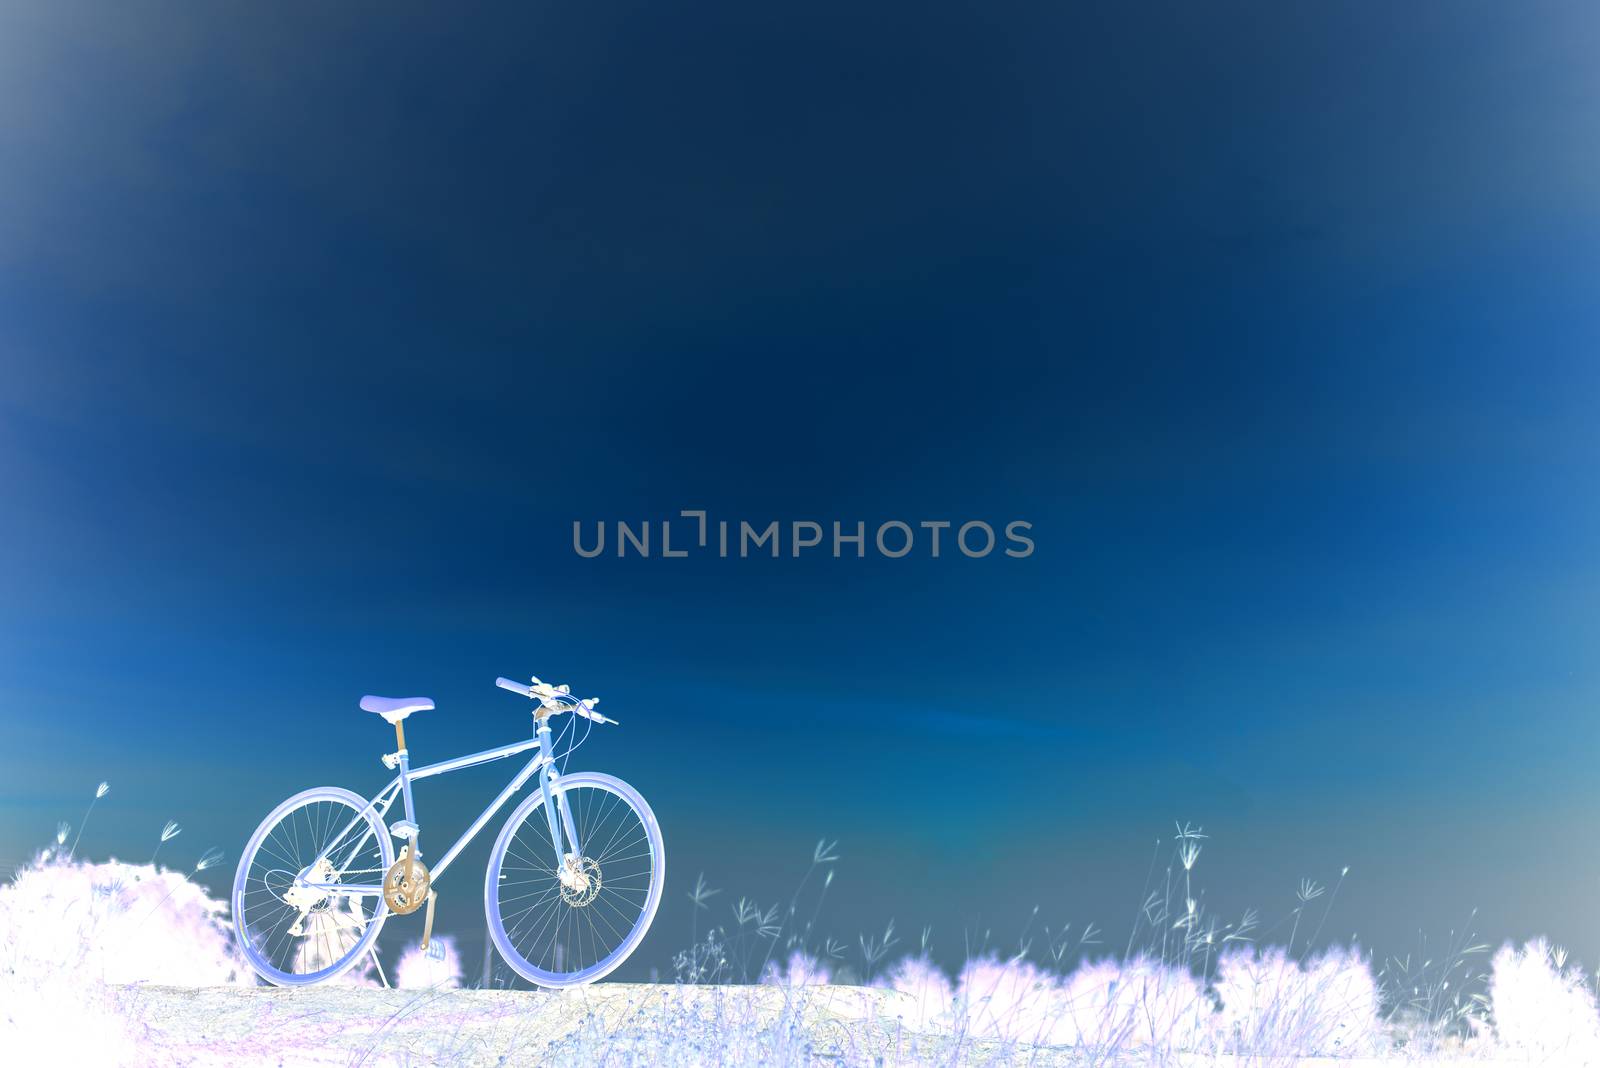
400 785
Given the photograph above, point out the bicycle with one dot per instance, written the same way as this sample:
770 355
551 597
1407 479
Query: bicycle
314 887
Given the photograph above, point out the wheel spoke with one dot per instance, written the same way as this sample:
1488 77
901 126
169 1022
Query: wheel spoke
558 933
295 935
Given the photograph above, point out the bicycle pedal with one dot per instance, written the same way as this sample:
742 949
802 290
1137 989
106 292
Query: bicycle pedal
435 951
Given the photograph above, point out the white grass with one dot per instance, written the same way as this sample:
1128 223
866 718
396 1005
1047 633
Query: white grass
78 939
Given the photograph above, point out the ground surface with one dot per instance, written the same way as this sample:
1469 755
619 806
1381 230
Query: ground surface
349 1025
617 1023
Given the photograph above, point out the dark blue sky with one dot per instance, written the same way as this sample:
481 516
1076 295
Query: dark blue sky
319 328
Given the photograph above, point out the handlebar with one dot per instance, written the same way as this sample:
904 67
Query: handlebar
555 699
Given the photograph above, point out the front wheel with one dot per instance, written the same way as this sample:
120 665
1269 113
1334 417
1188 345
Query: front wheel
571 921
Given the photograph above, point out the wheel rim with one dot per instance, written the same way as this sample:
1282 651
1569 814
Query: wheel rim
298 936
557 931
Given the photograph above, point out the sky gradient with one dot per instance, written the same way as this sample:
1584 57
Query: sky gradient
319 328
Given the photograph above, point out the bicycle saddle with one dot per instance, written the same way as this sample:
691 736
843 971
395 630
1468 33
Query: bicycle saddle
395 709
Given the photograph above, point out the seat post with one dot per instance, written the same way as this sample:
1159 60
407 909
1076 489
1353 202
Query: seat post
399 734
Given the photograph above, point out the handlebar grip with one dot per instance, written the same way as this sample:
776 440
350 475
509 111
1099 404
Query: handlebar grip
514 686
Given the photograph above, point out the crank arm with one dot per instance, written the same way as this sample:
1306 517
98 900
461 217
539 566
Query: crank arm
427 922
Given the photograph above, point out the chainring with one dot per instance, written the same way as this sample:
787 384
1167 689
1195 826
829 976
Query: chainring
405 886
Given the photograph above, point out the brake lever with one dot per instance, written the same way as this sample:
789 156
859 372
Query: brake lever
586 710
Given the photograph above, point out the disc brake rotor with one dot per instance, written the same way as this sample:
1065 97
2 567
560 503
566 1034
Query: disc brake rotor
580 881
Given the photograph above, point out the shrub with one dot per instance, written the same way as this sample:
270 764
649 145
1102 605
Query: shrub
1541 1007
70 931
116 923
800 970
929 989
1013 1000
417 971
1271 1005
1141 1003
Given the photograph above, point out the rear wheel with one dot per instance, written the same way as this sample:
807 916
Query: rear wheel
571 922
295 935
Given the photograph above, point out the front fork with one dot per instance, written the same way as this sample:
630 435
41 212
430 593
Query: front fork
554 797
